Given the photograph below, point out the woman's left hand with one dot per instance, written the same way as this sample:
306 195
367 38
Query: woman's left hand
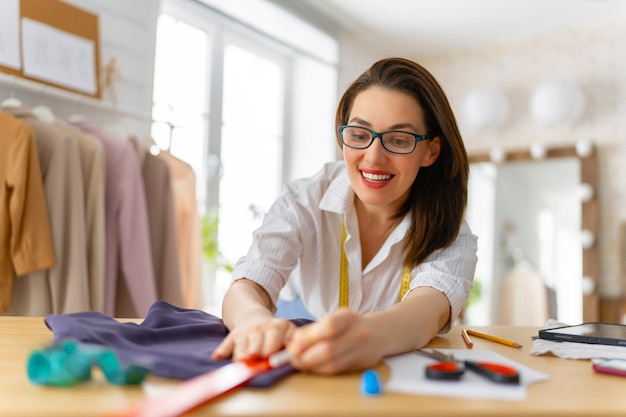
341 341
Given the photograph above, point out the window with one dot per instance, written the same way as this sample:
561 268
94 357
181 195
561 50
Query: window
180 95
228 103
251 148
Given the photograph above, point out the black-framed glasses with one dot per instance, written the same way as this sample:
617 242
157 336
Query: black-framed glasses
394 141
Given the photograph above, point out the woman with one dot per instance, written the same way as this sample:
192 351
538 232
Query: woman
376 244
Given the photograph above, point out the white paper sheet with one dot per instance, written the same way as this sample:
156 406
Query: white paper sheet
9 33
408 376
60 57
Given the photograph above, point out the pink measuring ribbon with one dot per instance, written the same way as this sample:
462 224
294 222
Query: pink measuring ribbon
203 388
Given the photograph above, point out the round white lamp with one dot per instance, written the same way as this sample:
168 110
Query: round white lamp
497 155
557 103
589 286
538 151
587 238
485 109
584 148
585 192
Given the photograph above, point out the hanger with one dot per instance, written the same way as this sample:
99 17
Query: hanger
11 102
44 113
116 130
153 148
171 127
77 118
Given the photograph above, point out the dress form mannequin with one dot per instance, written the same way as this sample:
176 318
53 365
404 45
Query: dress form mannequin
524 295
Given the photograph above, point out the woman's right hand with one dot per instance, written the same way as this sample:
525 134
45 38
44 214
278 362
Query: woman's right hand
257 337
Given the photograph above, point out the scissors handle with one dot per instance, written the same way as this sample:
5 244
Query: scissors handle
494 372
450 371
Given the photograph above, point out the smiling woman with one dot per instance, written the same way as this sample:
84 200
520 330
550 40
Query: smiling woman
375 245
393 164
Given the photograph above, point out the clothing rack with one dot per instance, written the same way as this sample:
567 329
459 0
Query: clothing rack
15 82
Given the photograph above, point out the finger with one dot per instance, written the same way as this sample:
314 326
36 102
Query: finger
224 350
289 333
254 345
329 327
240 349
349 349
276 336
325 357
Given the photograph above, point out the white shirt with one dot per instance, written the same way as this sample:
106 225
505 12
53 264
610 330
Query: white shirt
300 241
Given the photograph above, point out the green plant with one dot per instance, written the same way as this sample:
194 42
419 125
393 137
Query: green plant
210 245
475 293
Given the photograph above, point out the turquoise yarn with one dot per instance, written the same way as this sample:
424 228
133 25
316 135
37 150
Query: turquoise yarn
69 362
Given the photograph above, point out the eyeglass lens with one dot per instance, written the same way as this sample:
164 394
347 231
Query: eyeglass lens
361 138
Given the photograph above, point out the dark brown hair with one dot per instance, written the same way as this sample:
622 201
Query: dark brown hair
438 195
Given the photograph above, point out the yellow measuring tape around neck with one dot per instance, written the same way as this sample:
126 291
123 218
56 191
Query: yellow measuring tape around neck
343 274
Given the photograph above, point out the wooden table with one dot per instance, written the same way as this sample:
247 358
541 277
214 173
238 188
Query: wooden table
573 389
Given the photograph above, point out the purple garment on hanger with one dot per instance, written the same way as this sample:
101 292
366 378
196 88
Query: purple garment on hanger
175 342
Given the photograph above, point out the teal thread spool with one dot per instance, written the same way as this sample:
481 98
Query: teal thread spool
116 374
60 365
69 363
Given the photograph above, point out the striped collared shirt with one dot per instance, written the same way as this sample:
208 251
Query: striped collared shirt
300 242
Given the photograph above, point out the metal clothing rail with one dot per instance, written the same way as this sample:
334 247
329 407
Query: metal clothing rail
15 82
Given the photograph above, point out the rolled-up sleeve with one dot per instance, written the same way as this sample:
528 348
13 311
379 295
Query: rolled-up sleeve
275 250
451 271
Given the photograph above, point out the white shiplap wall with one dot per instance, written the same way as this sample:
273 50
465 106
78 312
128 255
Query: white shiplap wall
127 32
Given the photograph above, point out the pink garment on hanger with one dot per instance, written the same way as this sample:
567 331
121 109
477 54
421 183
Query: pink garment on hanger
129 268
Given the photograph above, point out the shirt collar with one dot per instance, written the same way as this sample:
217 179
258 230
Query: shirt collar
339 195
339 198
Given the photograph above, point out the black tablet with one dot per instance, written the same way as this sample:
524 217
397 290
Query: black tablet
598 333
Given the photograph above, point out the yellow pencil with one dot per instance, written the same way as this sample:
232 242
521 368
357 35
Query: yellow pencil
494 338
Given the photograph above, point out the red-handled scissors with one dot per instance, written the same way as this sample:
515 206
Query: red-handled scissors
449 368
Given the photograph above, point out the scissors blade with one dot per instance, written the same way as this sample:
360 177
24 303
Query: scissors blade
495 372
436 354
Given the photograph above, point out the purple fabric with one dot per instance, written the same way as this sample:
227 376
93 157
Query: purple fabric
175 342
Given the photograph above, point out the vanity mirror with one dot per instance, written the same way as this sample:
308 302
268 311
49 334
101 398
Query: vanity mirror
535 215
